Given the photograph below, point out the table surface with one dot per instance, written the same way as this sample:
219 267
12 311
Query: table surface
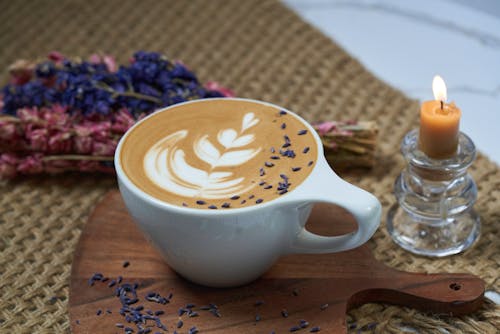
406 43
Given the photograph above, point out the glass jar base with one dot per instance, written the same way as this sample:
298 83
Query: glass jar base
430 237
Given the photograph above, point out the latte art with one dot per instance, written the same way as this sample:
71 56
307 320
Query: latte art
166 166
218 154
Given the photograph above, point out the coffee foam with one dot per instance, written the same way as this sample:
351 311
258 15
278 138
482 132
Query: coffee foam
218 154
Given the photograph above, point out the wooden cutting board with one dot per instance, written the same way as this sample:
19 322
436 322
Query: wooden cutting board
300 284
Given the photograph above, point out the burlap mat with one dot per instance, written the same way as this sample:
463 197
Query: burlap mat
263 51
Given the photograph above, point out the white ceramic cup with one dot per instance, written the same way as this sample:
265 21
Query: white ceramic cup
223 248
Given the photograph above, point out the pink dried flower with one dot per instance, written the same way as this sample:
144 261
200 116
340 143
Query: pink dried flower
60 143
107 60
110 63
28 115
325 127
21 72
212 85
8 163
56 57
55 115
32 164
8 131
123 121
99 130
83 144
95 58
104 148
38 139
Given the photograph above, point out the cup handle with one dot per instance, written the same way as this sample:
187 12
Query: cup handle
327 187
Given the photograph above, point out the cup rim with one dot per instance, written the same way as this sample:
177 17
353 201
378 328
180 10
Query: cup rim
122 176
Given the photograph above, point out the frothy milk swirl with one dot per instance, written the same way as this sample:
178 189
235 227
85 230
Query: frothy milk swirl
166 166
219 154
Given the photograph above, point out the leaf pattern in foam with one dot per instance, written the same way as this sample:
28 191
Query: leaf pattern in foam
249 120
206 151
229 139
166 165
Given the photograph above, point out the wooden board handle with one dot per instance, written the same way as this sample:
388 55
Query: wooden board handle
452 294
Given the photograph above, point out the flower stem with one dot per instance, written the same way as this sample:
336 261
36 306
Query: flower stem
130 93
77 157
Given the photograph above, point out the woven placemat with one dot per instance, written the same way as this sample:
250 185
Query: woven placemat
262 50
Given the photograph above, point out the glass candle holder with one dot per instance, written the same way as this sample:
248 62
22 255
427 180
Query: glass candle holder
434 213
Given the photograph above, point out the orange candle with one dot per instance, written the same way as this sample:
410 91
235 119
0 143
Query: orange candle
439 124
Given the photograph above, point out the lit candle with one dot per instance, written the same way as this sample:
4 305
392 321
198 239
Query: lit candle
439 123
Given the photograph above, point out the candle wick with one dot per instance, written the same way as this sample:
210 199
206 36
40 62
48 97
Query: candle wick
442 103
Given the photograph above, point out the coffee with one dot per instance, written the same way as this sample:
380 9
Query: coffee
219 154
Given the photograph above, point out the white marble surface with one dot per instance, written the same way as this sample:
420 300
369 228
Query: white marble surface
406 43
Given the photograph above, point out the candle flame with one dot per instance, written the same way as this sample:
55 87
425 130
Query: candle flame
439 88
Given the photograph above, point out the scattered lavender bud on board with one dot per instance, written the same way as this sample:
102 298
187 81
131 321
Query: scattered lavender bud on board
215 312
126 264
315 329
179 324
294 328
284 313
303 323
257 318
324 307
